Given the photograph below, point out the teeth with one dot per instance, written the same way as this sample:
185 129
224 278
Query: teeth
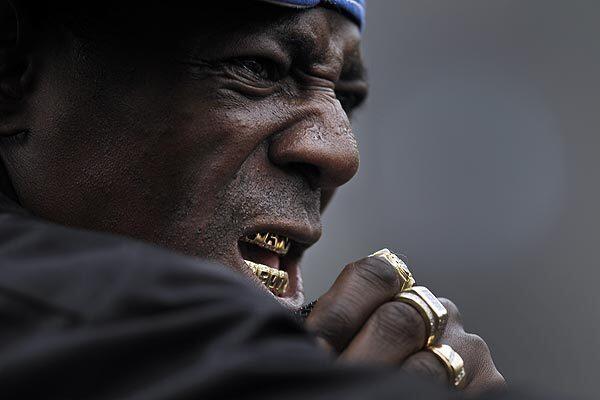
275 243
275 280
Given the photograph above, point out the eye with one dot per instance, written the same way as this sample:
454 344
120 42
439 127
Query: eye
261 68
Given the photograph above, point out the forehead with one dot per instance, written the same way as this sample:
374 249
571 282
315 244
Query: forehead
260 15
315 32
315 35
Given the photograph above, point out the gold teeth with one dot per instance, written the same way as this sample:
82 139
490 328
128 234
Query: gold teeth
269 241
274 279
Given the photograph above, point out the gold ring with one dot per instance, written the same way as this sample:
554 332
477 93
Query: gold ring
406 278
433 312
452 361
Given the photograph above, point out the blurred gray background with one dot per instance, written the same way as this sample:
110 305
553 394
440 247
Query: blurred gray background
480 164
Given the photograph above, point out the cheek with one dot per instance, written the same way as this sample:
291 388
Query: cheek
133 163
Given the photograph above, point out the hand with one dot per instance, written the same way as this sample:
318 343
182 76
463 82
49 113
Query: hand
358 320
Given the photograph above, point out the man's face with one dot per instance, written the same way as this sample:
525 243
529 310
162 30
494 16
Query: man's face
196 139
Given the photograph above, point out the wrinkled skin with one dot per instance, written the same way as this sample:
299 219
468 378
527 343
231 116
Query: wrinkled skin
191 135
187 141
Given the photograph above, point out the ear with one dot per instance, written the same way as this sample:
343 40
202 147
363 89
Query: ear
15 64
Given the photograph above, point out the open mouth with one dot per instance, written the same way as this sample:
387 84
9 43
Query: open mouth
266 253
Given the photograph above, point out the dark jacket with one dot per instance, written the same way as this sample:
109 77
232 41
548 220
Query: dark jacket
91 316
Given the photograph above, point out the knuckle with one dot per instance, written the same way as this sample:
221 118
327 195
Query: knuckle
453 312
493 382
337 321
375 273
497 380
478 344
400 322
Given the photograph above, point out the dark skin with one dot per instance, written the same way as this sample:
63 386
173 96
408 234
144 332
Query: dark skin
193 135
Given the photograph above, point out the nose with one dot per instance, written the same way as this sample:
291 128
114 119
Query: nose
320 145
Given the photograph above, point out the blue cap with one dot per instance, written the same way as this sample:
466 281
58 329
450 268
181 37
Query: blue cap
355 9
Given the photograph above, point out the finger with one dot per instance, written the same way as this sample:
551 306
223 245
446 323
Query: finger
461 342
360 289
425 364
482 375
471 348
454 318
394 332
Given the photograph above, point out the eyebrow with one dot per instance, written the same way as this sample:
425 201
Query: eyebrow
302 42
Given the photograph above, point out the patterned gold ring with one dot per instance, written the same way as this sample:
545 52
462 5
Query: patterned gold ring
406 278
453 362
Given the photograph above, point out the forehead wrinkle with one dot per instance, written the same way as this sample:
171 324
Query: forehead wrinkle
301 37
323 39
319 38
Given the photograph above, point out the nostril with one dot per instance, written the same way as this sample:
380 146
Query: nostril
310 172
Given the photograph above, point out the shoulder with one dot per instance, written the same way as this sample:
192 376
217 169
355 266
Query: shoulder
98 276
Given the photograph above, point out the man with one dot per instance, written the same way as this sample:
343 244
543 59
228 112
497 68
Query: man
221 133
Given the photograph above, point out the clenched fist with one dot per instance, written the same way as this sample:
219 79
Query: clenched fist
359 320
